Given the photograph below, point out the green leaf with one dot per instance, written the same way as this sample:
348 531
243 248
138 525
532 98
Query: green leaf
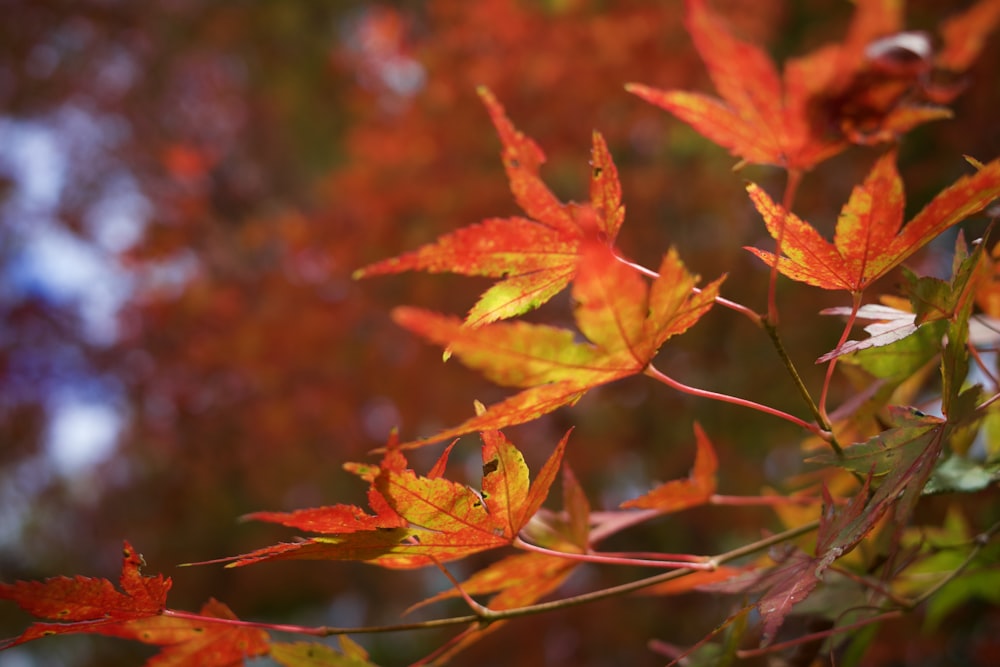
890 449
957 474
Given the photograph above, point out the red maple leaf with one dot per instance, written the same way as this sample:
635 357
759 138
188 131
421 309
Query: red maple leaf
625 320
870 88
536 255
420 520
138 611
85 604
868 241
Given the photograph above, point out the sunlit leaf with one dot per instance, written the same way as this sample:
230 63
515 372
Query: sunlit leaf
625 320
536 256
868 242
421 520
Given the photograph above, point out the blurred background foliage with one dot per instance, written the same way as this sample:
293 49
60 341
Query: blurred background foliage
185 188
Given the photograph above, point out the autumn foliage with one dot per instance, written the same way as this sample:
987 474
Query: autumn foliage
884 524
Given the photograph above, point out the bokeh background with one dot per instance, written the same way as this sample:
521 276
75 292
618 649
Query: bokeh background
185 188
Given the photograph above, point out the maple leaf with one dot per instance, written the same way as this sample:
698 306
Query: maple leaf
311 654
764 118
680 494
85 604
625 320
138 612
537 256
420 520
888 326
197 641
868 241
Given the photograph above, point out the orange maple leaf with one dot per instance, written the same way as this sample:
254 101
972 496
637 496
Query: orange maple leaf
537 255
868 241
189 640
625 320
420 520
838 94
679 494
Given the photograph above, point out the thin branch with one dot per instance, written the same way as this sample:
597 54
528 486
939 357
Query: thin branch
979 543
768 501
779 347
791 187
490 616
324 630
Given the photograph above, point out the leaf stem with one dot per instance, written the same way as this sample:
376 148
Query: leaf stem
726 303
779 347
855 305
323 630
654 373
791 187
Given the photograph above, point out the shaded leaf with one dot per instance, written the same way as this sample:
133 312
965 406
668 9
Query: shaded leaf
889 326
889 449
311 654
957 474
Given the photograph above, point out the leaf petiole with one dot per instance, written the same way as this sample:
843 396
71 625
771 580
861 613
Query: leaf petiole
656 374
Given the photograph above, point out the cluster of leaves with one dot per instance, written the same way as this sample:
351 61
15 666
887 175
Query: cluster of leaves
878 454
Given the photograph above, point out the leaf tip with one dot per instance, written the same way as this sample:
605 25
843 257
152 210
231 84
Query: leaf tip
974 162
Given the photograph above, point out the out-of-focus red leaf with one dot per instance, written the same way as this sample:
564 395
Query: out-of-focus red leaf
680 494
625 319
965 34
870 88
537 256
85 604
868 242
695 580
